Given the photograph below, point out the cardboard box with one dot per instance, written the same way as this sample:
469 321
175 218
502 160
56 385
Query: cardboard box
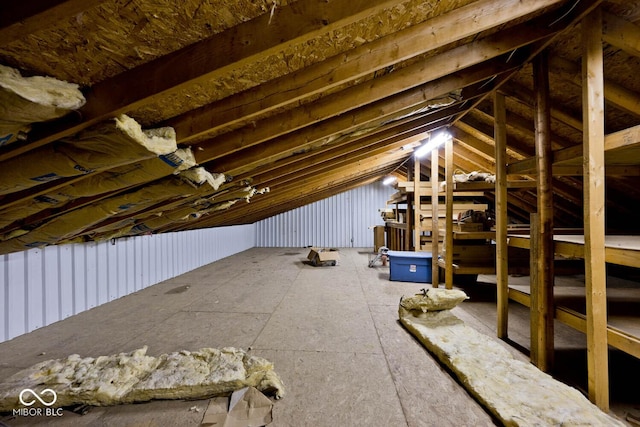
468 226
319 256
405 266
472 253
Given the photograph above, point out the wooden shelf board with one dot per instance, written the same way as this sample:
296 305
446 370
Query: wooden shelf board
623 340
620 250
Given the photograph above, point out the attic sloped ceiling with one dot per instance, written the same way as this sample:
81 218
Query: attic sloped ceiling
289 102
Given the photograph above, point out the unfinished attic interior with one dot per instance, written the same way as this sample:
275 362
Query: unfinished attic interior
173 173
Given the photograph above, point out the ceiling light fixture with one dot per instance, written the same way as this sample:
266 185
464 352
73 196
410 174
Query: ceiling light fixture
389 180
434 141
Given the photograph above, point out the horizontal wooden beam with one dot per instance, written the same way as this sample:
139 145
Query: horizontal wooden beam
296 23
386 95
621 34
21 18
627 138
357 63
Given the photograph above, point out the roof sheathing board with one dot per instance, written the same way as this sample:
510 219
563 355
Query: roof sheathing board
114 37
296 57
119 35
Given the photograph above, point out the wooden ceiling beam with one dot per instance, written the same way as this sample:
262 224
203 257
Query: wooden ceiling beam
625 138
408 132
482 131
573 14
525 97
568 190
526 126
485 150
479 162
569 186
212 221
621 34
331 158
167 205
281 198
239 162
286 188
361 155
402 89
614 93
295 23
465 133
357 63
309 182
269 210
21 18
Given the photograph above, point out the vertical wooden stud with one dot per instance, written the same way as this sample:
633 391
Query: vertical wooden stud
594 208
542 311
448 152
409 213
534 242
435 232
502 270
417 193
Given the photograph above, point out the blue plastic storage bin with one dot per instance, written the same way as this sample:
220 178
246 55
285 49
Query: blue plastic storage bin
407 266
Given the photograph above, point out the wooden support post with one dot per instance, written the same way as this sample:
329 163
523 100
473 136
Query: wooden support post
417 227
542 306
435 232
534 226
534 281
502 267
409 213
448 154
594 208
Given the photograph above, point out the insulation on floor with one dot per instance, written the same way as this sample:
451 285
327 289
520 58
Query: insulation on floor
111 144
99 183
517 393
137 377
28 100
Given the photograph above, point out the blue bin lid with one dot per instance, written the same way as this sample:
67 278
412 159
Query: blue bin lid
409 254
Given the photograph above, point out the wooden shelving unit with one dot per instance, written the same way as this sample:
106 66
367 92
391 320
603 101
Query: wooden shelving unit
605 154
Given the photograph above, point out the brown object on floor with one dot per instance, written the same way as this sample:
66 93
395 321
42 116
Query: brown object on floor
137 377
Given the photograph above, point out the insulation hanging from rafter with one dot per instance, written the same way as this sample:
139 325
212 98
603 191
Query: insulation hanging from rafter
111 144
28 100
71 224
95 184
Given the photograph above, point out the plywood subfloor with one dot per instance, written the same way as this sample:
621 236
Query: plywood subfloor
332 333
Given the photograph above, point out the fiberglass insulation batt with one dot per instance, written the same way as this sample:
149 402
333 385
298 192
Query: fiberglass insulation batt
115 143
516 392
73 223
27 100
100 183
137 377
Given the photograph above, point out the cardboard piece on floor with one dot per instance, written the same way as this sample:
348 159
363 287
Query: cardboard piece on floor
319 256
248 407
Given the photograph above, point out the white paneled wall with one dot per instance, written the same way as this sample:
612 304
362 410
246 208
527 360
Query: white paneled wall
344 220
42 286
